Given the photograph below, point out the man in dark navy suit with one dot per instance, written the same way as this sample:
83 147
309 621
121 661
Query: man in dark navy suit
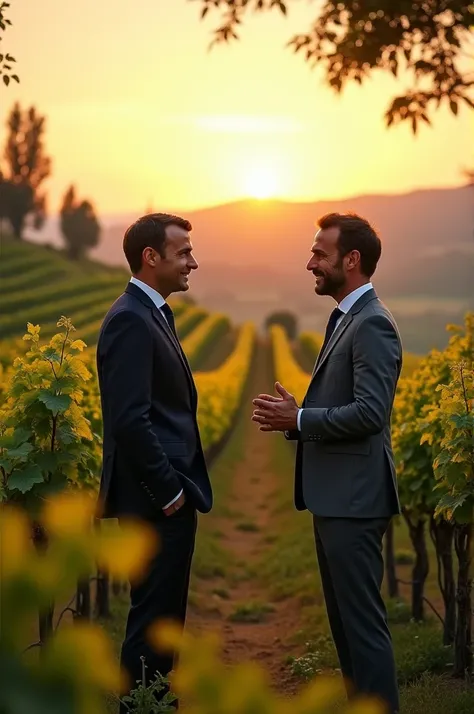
153 462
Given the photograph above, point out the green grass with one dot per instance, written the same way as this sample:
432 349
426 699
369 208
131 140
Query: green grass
250 612
247 526
211 558
289 565
437 695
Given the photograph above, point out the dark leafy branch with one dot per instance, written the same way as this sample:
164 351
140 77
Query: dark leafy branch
6 60
352 39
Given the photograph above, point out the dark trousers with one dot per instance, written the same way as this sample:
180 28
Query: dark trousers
162 594
351 564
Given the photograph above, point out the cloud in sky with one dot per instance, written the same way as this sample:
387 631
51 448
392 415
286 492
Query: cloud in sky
151 114
247 124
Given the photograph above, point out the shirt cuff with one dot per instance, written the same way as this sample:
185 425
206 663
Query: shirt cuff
173 501
298 419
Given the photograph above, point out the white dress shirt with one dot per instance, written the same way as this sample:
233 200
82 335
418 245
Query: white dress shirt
344 306
159 302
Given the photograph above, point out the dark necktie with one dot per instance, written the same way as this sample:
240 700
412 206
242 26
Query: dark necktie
168 313
331 326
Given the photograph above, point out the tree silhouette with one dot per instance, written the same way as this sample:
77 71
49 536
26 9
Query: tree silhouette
6 60
286 319
27 166
469 175
79 225
352 39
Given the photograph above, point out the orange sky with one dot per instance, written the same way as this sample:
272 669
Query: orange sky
139 111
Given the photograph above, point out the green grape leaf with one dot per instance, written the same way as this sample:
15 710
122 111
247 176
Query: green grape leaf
24 479
57 403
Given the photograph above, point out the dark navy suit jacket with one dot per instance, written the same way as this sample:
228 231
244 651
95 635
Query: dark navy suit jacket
152 447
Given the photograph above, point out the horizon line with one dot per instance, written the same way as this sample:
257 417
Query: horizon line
281 201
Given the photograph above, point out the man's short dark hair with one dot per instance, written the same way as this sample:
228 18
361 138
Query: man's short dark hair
355 233
149 232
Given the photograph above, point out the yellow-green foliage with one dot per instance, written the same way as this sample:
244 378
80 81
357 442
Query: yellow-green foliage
220 390
62 387
418 401
79 667
201 338
448 426
189 319
287 370
410 363
312 343
44 433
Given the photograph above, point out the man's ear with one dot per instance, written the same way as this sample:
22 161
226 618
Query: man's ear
353 259
149 256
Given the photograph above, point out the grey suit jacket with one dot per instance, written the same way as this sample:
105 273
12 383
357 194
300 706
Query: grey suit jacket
344 460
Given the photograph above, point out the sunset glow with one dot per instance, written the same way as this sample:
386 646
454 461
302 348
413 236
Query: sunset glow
261 182
168 121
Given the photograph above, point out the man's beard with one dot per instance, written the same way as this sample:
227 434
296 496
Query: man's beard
332 283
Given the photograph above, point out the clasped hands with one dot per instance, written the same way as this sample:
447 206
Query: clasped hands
276 413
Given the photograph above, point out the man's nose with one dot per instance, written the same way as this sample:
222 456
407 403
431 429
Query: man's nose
193 264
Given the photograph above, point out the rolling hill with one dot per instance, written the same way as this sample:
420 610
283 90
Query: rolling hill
253 255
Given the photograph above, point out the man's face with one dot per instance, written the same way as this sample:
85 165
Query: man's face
172 271
326 264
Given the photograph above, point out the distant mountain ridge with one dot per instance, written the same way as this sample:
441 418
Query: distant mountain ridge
253 254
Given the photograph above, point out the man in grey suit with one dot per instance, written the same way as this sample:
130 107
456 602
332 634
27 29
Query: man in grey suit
345 474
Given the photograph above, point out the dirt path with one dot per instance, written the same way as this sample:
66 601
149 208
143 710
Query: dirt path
238 605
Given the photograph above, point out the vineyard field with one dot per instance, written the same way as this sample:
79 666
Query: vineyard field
36 283
255 573
84 292
286 368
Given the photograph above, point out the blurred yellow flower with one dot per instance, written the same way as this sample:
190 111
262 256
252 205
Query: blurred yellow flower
15 544
250 686
366 706
86 650
166 635
127 550
321 693
69 514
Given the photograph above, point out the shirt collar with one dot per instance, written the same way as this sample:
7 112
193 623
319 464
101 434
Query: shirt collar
350 300
153 294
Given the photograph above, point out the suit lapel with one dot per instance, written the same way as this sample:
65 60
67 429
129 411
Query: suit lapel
339 331
334 339
161 321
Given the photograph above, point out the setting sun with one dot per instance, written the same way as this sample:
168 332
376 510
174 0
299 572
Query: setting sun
261 182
